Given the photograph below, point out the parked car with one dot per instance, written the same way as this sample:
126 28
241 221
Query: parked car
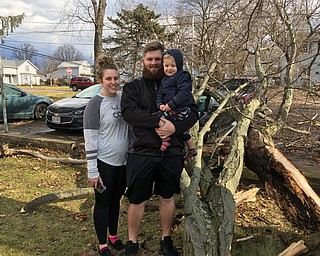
246 93
80 82
23 105
67 114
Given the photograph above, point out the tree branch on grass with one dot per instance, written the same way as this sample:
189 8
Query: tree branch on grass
6 151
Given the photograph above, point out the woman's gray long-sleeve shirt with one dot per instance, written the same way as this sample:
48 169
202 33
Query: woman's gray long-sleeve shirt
105 133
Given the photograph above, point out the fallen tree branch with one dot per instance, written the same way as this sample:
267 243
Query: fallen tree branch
245 196
49 198
295 249
6 151
287 127
244 239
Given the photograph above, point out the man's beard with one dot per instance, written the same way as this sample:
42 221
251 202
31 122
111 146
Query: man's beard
150 75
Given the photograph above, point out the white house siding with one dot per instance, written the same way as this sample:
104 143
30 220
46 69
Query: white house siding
20 72
78 68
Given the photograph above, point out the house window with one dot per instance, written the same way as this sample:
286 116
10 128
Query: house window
27 68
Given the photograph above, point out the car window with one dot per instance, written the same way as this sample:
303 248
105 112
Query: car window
89 92
86 79
11 91
79 78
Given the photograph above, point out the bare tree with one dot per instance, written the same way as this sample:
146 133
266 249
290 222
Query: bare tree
67 52
26 52
85 12
240 38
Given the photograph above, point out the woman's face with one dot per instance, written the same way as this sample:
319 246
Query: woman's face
110 82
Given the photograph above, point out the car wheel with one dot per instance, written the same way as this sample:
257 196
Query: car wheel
40 111
74 87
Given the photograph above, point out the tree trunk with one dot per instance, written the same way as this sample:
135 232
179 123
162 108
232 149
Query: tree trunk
283 182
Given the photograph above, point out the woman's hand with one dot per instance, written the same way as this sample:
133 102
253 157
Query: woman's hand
93 182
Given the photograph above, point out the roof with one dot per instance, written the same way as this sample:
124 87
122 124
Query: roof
73 64
15 63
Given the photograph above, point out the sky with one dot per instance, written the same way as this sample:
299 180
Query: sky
39 27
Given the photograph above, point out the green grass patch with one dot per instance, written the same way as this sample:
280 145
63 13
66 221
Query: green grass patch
54 92
51 229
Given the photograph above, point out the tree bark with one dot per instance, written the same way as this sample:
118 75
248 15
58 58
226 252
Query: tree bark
283 182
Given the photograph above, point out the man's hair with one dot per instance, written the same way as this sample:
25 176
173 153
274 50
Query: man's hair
153 46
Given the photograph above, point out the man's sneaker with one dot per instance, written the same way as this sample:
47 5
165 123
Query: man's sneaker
105 252
131 249
167 248
117 245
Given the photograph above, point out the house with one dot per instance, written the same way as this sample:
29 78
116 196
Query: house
309 62
20 72
75 68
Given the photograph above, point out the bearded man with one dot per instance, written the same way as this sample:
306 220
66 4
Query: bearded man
150 170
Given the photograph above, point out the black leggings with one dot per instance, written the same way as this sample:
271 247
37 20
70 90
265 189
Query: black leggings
107 204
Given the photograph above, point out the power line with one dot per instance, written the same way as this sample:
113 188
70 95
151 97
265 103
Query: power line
12 48
49 43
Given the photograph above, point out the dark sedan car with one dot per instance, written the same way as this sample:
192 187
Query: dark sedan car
67 114
23 105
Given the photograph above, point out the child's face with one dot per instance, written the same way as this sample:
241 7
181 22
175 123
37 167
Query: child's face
169 66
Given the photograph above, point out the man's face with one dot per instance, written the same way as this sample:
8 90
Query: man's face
152 67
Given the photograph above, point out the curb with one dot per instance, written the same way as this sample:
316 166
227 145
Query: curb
15 139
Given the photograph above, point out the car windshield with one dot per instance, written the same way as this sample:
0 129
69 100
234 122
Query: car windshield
89 92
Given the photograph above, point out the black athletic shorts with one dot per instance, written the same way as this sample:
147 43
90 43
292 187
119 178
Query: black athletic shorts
147 175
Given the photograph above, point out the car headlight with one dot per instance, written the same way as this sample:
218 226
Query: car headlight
78 112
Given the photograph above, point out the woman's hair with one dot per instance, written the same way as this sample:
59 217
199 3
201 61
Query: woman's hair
104 62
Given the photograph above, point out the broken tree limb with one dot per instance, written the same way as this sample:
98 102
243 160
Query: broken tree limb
6 151
295 249
49 198
283 182
245 196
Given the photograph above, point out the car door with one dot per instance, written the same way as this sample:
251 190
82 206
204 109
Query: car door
17 102
87 82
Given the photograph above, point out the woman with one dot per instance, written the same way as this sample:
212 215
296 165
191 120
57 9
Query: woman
106 144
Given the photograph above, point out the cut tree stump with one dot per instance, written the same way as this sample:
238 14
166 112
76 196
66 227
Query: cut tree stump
283 182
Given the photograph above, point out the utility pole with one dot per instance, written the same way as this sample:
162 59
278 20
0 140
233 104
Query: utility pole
3 101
